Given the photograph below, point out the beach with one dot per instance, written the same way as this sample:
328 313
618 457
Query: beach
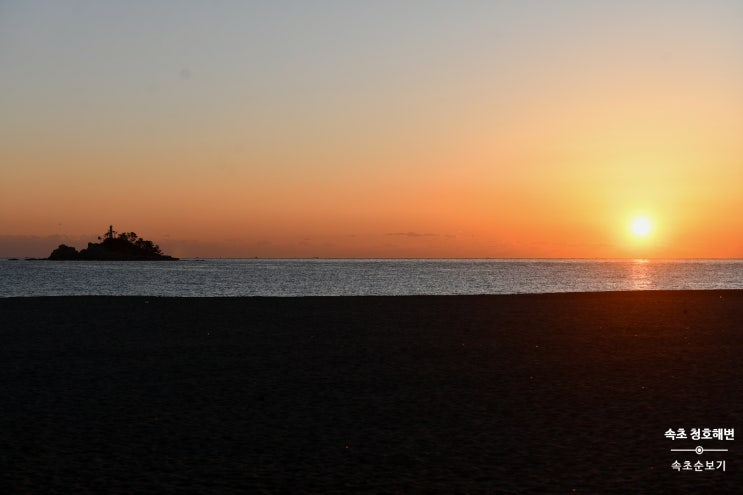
530 393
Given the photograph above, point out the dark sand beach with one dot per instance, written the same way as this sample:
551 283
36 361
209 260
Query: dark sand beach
558 393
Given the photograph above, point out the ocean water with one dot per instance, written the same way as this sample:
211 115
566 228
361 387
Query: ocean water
322 277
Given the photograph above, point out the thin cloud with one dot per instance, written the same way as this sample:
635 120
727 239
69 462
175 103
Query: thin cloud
412 234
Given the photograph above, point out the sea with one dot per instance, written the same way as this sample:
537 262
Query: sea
359 277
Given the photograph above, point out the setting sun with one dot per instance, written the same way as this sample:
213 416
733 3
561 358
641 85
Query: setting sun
641 227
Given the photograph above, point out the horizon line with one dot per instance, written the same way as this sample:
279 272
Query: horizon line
634 258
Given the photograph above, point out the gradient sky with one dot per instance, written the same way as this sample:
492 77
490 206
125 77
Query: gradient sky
374 129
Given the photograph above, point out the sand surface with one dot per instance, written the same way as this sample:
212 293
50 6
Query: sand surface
561 393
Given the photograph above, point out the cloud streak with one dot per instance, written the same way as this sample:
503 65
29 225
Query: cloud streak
412 234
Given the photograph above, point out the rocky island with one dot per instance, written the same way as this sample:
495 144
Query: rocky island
126 246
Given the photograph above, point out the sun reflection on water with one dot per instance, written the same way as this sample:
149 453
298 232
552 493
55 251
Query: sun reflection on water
640 275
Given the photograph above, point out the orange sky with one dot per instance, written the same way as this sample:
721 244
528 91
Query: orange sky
509 130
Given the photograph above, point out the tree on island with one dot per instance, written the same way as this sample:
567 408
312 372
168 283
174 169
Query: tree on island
126 246
129 242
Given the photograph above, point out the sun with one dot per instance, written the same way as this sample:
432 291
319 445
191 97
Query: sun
641 226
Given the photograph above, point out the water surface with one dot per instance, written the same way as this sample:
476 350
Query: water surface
322 277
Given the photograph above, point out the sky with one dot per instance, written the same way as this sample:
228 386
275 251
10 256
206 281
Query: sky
529 129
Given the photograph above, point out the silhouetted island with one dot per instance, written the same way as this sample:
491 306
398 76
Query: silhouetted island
124 247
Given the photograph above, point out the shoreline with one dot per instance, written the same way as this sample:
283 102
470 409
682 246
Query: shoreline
692 292
511 393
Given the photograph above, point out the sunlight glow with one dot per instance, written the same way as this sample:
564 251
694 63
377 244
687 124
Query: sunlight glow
641 227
